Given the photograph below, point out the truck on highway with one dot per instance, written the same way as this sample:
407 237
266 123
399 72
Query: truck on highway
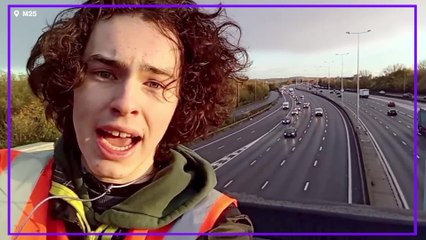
364 93
421 121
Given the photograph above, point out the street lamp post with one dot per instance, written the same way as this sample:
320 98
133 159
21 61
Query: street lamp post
328 73
341 75
357 74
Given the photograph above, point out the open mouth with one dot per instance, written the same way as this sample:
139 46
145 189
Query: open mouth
117 141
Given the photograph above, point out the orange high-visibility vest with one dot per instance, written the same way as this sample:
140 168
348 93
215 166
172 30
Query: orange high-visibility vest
27 193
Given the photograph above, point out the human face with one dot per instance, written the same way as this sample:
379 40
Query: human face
129 62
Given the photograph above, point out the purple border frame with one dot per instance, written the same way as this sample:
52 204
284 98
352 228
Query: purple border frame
413 6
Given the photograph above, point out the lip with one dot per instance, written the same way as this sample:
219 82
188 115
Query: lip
119 128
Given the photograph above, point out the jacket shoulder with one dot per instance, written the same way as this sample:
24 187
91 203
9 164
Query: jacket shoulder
231 220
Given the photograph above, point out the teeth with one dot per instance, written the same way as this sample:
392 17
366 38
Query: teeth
119 134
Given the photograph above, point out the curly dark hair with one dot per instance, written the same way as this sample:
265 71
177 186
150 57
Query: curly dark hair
209 64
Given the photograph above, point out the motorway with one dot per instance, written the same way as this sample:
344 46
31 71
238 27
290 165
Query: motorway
394 136
319 165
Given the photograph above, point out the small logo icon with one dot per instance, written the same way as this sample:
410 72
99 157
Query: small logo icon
16 13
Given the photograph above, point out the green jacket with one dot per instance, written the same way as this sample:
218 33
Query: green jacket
172 191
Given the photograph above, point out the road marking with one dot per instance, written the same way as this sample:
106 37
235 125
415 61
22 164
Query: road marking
293 149
399 121
304 131
323 138
306 186
239 138
315 163
242 129
380 122
409 116
325 130
278 139
226 185
402 113
408 126
269 148
251 164
394 134
418 157
220 147
282 163
387 127
252 131
300 139
264 185
310 120
320 148
308 125
326 120
404 143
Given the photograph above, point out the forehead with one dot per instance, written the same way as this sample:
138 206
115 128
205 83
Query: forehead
134 41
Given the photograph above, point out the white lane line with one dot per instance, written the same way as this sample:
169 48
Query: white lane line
300 139
221 147
252 131
408 126
326 125
315 163
418 157
251 164
308 125
226 185
325 130
404 143
231 134
239 138
310 121
326 120
269 148
282 163
264 185
306 186
278 139
375 117
380 122
323 138
399 121
386 127
304 131
293 149
320 149
409 116
394 134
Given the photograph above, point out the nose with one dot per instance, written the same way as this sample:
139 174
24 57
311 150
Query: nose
125 99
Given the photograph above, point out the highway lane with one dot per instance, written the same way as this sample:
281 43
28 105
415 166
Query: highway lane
306 168
395 137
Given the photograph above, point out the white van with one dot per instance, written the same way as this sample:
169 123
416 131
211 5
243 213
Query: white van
286 105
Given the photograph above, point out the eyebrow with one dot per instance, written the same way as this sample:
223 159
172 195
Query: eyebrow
121 65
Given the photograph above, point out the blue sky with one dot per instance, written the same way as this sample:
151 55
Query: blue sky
282 42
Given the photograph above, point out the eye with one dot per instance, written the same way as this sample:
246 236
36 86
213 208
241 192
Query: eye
104 75
154 84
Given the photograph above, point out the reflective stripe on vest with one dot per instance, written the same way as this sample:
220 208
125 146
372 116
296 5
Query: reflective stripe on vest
26 169
200 219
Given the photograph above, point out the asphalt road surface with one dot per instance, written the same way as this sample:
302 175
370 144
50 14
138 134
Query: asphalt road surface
319 164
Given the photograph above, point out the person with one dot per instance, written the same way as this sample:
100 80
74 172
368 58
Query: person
128 88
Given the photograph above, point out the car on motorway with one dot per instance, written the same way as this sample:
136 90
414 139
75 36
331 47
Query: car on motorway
391 104
382 92
306 105
407 95
298 102
392 112
290 132
319 111
301 96
286 105
294 112
339 95
286 120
